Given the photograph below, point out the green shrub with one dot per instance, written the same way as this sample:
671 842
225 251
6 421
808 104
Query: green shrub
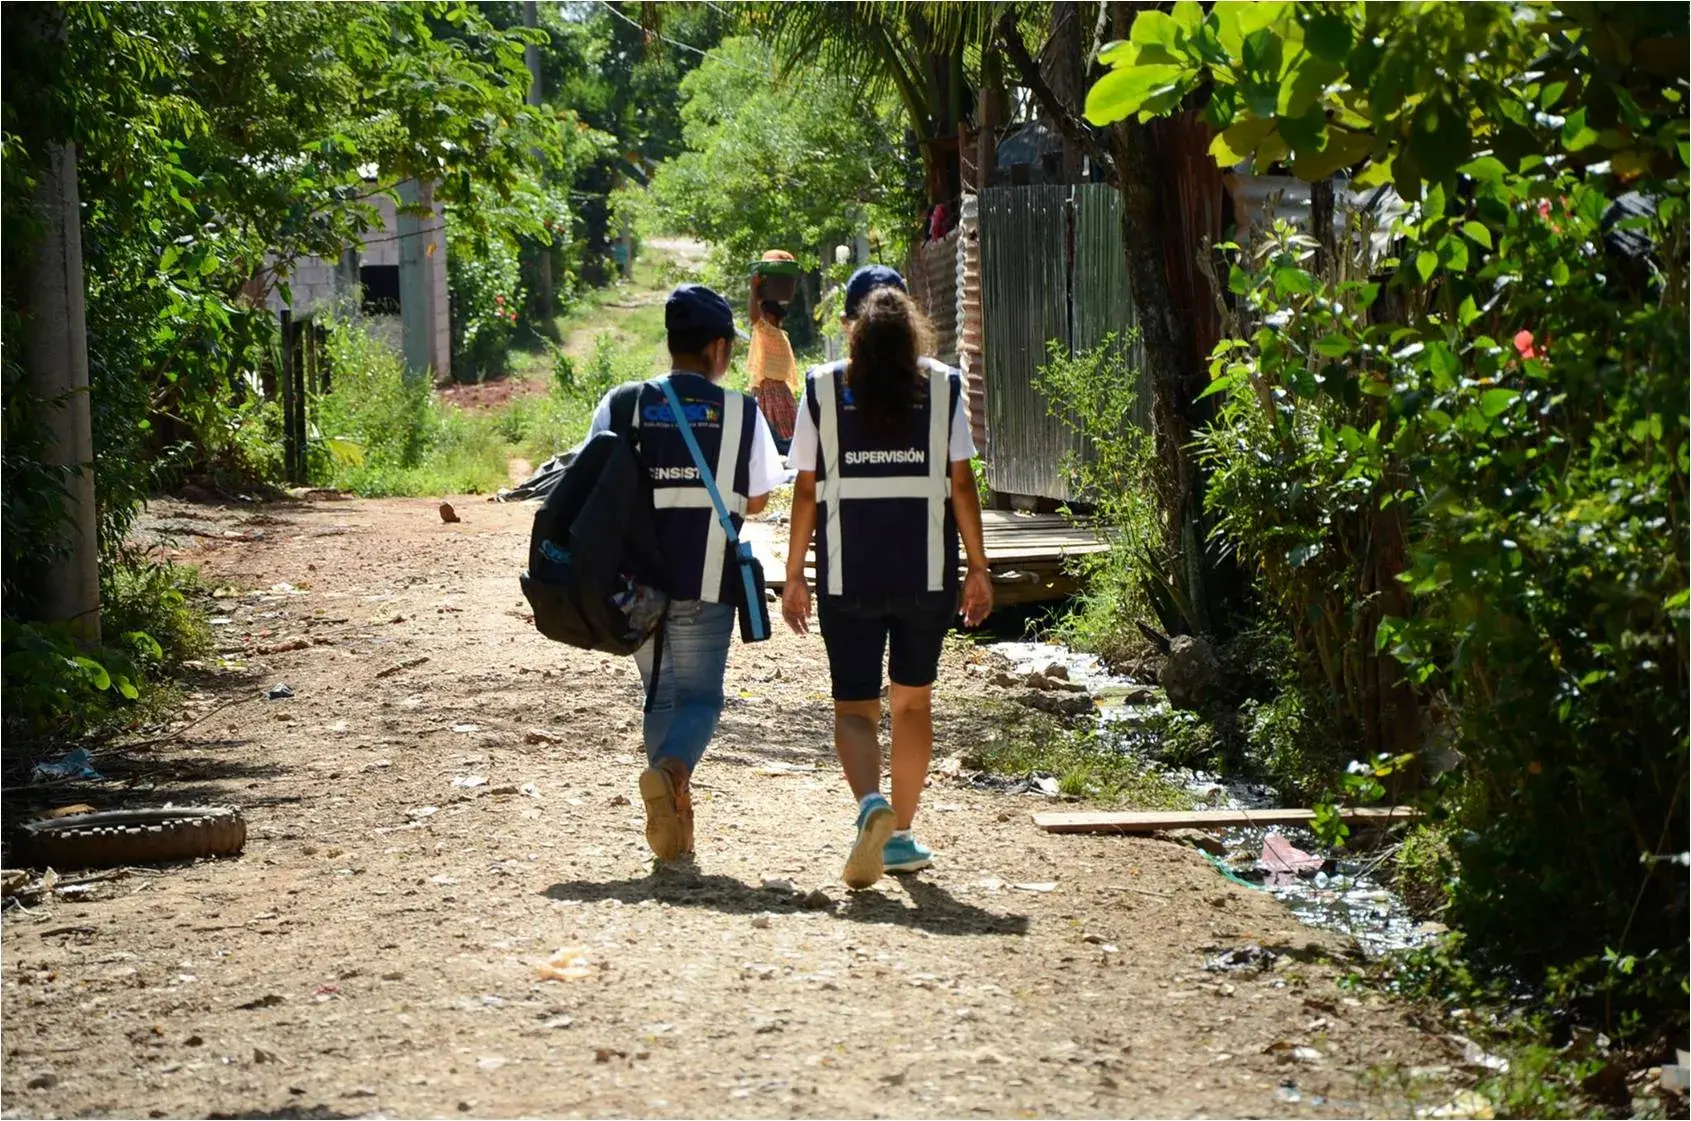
381 432
1087 761
156 599
1095 394
55 689
1511 514
484 279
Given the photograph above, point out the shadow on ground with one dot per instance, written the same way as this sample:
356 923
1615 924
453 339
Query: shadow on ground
936 910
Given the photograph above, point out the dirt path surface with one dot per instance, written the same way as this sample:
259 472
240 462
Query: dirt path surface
448 799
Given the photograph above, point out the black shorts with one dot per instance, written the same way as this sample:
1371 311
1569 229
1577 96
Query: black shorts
856 629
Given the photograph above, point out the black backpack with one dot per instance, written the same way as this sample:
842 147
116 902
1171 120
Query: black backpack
593 561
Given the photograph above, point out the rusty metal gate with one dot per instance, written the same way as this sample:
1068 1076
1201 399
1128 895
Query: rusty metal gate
1052 268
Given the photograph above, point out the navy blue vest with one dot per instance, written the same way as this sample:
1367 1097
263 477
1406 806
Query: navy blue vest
696 559
884 522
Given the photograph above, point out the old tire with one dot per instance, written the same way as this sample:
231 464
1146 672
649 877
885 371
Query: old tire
114 837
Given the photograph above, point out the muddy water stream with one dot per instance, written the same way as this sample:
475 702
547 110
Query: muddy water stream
1347 895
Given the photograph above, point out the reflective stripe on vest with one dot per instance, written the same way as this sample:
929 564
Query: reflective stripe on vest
934 486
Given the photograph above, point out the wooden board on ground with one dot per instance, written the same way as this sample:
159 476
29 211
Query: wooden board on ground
1150 821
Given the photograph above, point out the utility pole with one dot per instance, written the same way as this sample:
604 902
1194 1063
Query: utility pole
543 258
67 587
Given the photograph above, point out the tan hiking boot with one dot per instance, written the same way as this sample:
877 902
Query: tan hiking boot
669 809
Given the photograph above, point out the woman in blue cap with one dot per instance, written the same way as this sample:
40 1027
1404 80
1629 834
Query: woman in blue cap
699 571
882 451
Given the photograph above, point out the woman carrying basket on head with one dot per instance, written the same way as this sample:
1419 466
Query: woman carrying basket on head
772 373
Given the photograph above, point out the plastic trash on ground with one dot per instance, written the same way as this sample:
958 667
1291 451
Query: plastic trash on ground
568 964
72 764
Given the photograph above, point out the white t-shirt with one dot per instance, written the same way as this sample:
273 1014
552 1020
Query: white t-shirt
802 455
764 473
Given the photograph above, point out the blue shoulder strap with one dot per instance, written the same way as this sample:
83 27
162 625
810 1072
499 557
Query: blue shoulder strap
742 549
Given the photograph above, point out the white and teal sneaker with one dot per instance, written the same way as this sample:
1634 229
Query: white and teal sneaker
874 826
904 853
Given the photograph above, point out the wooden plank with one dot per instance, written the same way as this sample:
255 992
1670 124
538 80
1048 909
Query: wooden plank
1150 821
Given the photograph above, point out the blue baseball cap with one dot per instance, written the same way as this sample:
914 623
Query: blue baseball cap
693 309
864 281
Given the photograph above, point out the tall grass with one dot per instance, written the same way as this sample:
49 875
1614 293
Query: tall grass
380 433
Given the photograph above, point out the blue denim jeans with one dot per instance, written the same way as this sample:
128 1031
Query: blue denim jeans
689 695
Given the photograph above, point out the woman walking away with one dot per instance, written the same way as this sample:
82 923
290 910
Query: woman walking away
882 451
772 373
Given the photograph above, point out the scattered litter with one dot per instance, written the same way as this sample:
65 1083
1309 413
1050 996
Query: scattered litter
1288 1092
1467 1104
787 769
1249 958
531 790
1044 785
1284 863
568 964
420 812
470 780
278 692
945 807
72 764
340 728
491 1062
466 727
1288 1052
443 880
557 1022
1042 887
1476 1056
990 883
1676 1077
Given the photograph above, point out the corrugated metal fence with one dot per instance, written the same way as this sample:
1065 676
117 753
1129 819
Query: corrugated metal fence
1052 268
932 275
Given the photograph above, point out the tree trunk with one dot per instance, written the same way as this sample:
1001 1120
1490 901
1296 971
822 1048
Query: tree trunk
1163 337
1321 228
57 361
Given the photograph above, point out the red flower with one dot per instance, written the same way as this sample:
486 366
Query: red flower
1544 208
1523 345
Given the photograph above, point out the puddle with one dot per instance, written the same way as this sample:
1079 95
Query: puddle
1347 896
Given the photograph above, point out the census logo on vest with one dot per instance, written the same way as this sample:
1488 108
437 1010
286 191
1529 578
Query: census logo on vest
698 412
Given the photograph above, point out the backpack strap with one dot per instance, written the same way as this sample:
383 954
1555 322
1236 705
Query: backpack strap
624 400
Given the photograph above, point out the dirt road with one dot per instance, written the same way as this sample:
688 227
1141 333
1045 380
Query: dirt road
423 832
